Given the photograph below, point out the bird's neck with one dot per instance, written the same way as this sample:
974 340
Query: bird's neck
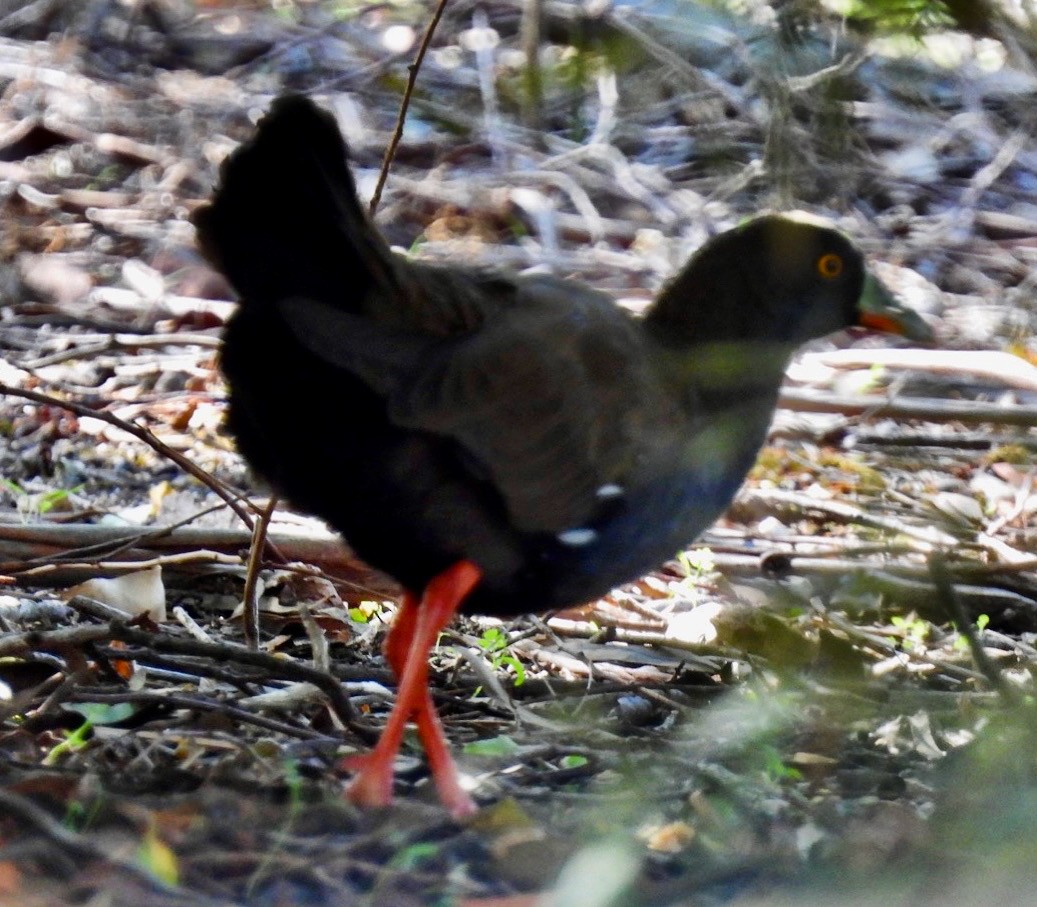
721 374
700 306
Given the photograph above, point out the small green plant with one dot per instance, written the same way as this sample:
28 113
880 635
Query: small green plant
495 747
495 644
914 17
33 504
914 632
776 769
75 815
697 563
414 856
73 742
365 611
961 644
573 760
80 815
93 713
156 857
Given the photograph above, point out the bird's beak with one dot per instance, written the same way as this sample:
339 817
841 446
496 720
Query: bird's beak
878 310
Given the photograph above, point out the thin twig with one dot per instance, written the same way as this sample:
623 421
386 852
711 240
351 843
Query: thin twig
59 640
111 549
412 78
255 561
199 704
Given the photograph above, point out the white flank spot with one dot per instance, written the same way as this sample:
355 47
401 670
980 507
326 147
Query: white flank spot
609 491
577 537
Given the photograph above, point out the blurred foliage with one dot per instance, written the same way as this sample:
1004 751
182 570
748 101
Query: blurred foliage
916 16
898 16
905 17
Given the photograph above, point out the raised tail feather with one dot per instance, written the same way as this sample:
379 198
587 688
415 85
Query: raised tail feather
285 220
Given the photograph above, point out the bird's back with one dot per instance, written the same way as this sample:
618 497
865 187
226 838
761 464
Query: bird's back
434 415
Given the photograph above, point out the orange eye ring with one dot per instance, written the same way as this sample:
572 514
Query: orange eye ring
830 265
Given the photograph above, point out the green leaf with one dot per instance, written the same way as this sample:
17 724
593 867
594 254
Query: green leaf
776 768
495 746
155 856
516 665
493 640
414 856
13 487
103 712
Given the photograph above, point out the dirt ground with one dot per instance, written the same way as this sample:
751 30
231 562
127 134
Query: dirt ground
827 700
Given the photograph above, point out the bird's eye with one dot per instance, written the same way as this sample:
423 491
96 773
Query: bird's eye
830 265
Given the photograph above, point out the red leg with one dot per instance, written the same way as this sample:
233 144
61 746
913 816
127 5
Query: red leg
411 638
397 646
372 784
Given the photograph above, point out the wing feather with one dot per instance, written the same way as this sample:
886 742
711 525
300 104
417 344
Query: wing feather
550 398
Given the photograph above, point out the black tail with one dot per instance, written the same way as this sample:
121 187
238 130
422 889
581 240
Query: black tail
285 220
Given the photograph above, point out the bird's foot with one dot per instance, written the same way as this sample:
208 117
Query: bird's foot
372 779
455 798
373 782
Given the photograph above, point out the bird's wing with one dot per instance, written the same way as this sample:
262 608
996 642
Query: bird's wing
549 396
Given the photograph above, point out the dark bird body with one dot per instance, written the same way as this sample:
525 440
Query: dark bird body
528 426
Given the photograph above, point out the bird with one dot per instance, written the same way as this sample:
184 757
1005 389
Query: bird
498 443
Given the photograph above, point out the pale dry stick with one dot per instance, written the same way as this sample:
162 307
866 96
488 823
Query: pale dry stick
412 78
987 175
68 572
982 541
608 101
801 505
926 410
95 347
629 603
46 541
626 179
320 656
583 629
989 365
1000 551
598 671
113 548
58 318
580 200
484 46
519 257
844 67
959 442
192 626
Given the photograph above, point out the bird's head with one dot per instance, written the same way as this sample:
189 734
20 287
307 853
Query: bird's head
779 278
